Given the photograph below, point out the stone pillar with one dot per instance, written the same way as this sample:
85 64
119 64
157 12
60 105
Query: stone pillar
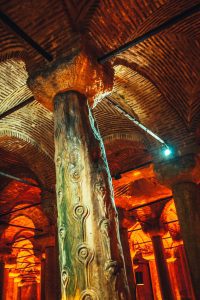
2 265
182 174
38 291
10 288
154 280
5 283
57 271
50 274
91 259
19 293
183 274
42 279
15 289
126 222
173 277
161 265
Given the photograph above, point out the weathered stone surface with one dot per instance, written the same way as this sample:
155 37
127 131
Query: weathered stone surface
91 259
78 72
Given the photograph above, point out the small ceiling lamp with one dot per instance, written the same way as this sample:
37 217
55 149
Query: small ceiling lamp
167 151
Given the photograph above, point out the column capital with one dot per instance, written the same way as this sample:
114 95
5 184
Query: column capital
126 219
180 169
79 71
154 227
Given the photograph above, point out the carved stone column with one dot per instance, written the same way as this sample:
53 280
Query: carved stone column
91 259
182 175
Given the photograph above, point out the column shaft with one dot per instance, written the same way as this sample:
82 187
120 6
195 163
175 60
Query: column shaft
1 279
154 280
173 279
42 280
5 283
15 290
161 265
50 274
91 259
187 203
10 288
128 262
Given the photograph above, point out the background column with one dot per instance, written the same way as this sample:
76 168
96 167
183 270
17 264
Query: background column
161 265
50 274
182 174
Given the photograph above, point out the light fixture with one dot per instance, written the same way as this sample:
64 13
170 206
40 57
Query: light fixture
167 151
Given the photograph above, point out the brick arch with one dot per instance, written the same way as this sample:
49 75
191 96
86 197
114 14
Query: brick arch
4 131
125 151
134 137
169 214
11 45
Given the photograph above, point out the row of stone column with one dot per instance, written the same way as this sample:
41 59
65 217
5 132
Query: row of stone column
179 278
11 287
182 175
155 231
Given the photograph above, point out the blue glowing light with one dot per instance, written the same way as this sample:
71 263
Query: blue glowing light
167 152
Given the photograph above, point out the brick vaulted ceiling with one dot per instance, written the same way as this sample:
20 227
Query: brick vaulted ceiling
156 81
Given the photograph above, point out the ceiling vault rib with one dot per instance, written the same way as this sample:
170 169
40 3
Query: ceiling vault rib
23 181
174 20
151 203
10 23
138 229
19 226
118 175
150 241
30 237
17 107
24 248
18 209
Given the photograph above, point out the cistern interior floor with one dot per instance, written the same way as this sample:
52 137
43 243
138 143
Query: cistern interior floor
100 150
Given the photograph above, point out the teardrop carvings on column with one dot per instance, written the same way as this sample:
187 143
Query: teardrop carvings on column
62 232
105 228
111 266
85 255
81 213
89 295
65 277
75 167
100 189
59 196
111 269
100 192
